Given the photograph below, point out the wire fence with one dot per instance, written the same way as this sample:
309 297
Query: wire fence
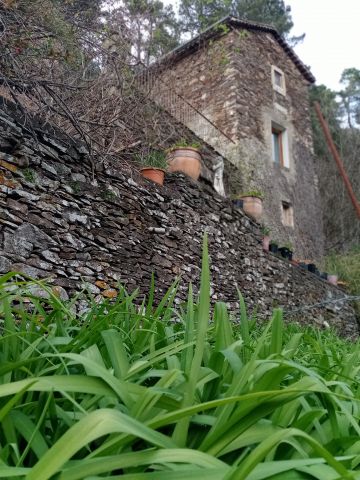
325 303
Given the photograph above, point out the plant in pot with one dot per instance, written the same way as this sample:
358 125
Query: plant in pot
154 166
184 157
286 251
273 247
252 203
266 238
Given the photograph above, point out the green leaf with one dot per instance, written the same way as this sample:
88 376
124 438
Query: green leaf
91 427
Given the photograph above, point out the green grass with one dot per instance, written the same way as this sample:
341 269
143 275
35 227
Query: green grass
347 267
156 392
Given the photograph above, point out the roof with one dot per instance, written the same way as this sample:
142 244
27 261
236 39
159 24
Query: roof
230 21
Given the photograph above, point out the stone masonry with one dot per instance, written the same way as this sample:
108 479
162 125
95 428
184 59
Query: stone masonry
227 75
58 221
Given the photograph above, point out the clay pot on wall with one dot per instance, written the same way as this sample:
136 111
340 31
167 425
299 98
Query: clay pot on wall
154 174
266 243
186 160
253 207
153 165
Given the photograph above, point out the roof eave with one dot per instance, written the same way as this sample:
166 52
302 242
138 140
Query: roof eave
212 31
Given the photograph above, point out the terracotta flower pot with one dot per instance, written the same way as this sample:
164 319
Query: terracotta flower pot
333 279
154 174
253 207
186 160
266 243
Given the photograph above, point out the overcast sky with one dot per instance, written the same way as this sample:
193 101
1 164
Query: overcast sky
332 41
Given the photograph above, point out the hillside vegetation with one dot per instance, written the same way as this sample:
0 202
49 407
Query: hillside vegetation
150 392
347 267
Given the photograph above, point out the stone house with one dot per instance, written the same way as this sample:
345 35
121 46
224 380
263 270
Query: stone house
251 89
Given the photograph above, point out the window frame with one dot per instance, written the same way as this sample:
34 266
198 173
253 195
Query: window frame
280 89
279 136
287 214
283 145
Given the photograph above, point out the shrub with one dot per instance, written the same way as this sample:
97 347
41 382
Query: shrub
155 159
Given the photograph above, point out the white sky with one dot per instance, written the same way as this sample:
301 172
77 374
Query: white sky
332 41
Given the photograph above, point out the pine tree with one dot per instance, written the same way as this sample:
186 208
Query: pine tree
350 95
196 15
153 26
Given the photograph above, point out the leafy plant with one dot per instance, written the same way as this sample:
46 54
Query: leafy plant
75 186
252 193
138 389
183 143
289 246
108 194
155 159
29 175
265 230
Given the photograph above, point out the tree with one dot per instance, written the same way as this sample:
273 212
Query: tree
341 226
196 15
331 110
152 25
350 95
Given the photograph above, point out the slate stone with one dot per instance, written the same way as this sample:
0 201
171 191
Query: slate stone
5 265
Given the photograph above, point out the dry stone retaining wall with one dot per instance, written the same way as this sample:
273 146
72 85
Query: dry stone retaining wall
58 221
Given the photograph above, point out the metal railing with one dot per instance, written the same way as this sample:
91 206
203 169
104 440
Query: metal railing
183 111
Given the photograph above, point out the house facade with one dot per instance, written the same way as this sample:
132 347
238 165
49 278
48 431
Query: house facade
245 80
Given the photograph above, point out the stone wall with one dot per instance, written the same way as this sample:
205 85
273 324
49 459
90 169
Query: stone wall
60 222
229 79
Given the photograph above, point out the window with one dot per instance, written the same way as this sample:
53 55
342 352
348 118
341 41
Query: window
278 80
280 151
278 155
287 214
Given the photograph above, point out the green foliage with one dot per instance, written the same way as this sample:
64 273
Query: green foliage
222 28
265 230
197 15
251 193
108 194
145 391
331 111
155 158
340 223
183 143
347 267
350 95
75 186
29 175
153 25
